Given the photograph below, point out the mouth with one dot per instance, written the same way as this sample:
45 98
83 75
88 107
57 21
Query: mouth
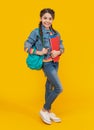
47 24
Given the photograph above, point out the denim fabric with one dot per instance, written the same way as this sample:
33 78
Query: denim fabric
34 40
53 85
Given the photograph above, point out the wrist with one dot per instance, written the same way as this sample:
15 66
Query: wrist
61 51
39 52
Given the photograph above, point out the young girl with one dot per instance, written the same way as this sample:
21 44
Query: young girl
48 43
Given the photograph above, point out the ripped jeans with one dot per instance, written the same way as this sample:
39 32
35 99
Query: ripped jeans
53 85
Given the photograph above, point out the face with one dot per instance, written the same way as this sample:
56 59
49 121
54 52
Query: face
47 20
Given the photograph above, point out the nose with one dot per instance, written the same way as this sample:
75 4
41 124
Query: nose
47 20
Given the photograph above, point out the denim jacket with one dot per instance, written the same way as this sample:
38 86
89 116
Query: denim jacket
34 41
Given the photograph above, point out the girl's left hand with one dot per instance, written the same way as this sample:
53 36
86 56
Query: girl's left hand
55 53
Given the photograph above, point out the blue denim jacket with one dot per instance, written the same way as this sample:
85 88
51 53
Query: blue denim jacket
34 40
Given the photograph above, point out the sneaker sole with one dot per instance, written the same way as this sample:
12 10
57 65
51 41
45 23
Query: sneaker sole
58 121
45 121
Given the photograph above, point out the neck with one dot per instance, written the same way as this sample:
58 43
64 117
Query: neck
46 28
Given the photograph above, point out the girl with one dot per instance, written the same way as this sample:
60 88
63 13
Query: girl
48 43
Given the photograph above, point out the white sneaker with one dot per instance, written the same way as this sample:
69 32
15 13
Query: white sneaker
54 118
45 117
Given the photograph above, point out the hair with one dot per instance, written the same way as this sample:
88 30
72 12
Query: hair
42 12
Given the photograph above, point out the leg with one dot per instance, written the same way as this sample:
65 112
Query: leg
50 70
51 73
48 86
48 89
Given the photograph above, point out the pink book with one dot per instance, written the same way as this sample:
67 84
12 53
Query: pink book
55 44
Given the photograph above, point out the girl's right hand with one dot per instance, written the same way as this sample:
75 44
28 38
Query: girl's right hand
44 51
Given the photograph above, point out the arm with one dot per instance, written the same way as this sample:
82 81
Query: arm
28 45
61 47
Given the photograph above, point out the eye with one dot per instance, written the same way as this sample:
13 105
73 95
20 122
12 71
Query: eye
45 17
50 18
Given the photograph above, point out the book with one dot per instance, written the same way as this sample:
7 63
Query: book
55 45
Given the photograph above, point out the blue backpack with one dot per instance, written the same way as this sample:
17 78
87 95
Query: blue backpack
34 61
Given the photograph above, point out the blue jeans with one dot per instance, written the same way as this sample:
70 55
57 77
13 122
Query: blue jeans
53 85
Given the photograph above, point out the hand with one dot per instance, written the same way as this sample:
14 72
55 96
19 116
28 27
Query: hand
55 53
45 50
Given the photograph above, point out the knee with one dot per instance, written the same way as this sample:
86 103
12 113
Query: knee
60 90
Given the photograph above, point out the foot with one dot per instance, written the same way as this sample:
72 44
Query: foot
45 117
54 118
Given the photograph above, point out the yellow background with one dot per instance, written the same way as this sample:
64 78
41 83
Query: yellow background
22 90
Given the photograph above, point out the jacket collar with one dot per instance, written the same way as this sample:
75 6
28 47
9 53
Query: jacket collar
47 31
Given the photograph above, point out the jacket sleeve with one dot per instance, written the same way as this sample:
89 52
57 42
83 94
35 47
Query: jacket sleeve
29 43
61 44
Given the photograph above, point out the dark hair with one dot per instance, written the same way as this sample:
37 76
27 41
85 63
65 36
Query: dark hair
47 10
42 12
